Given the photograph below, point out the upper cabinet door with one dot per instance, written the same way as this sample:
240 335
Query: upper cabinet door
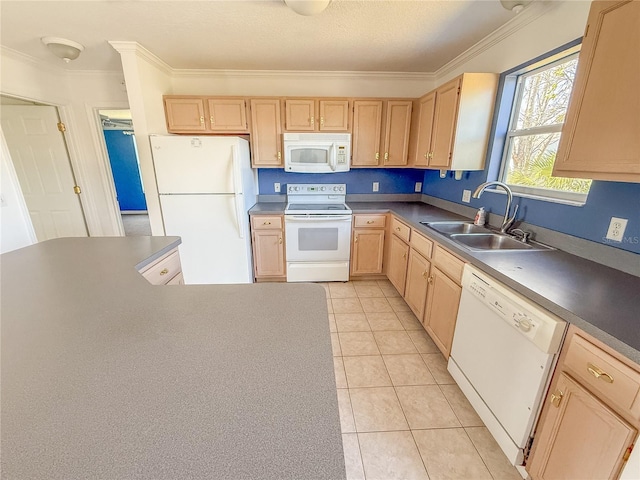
227 115
601 135
365 141
396 144
185 114
300 115
444 124
425 129
334 116
266 132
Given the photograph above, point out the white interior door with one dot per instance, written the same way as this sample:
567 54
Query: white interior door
41 161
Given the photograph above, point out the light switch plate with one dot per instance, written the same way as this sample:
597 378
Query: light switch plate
466 196
376 186
418 187
616 230
276 187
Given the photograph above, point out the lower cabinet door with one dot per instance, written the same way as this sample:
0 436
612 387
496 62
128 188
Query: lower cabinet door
397 268
367 252
443 299
580 437
415 293
268 253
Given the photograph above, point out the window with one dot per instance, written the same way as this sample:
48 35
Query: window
539 108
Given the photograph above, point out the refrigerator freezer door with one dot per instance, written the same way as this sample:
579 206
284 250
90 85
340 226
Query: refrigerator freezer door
212 250
187 165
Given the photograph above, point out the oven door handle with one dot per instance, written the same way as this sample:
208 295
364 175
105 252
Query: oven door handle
319 218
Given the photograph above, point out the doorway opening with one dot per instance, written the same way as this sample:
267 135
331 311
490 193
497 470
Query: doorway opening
117 130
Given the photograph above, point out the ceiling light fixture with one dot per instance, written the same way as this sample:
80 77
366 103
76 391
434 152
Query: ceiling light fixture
516 6
307 7
67 50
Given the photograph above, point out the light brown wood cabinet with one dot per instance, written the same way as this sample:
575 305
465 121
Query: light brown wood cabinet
367 128
310 115
601 135
416 287
193 114
591 415
266 133
267 237
443 298
398 254
367 244
451 131
166 270
397 128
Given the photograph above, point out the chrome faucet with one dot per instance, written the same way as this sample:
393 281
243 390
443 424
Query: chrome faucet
506 221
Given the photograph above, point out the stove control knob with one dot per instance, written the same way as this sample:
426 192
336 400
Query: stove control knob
296 188
322 189
341 189
335 189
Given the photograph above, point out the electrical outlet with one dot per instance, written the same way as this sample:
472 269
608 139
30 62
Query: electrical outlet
418 187
466 196
376 186
616 229
276 187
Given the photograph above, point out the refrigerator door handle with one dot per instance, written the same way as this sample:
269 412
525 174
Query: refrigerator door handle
237 190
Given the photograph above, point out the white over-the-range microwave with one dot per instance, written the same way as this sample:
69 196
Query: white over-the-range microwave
317 152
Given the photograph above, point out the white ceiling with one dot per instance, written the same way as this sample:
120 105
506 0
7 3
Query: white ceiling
350 35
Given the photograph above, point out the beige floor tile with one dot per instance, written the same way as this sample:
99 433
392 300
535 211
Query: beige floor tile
423 342
492 455
394 342
375 305
329 306
335 345
398 304
352 322
425 406
409 321
437 365
373 283
461 406
388 289
358 343
342 290
377 409
346 305
449 454
366 371
332 323
384 321
347 423
408 370
338 368
352 458
365 291
391 456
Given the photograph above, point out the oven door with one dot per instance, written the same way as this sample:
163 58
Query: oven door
318 238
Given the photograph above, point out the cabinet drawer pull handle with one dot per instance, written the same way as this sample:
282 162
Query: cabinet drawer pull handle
599 373
267 223
556 397
312 120
404 255
322 121
280 241
355 240
430 280
386 156
398 228
202 120
279 155
426 155
213 122
369 222
377 155
425 274
164 271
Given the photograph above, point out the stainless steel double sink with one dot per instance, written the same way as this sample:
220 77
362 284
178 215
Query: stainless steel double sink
478 238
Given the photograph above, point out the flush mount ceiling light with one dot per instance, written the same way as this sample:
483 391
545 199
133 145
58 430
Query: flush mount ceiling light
307 7
67 50
516 6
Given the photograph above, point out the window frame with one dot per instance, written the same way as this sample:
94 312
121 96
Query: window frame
513 86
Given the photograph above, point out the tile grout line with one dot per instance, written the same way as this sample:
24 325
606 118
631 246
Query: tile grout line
478 452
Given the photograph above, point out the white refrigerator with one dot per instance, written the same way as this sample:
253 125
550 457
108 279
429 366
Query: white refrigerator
206 186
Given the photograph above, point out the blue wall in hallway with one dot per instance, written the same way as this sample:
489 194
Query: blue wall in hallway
392 180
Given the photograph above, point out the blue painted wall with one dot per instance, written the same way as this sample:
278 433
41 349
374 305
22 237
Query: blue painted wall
392 180
126 173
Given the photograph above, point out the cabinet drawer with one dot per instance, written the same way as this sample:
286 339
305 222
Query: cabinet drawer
448 263
266 222
164 270
400 229
369 221
604 374
421 244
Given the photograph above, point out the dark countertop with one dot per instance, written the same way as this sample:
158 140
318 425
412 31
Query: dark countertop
105 376
601 300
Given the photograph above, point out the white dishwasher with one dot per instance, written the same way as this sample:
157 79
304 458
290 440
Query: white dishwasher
503 353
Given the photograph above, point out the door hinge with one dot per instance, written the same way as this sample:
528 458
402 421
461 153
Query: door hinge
76 190
62 127
627 453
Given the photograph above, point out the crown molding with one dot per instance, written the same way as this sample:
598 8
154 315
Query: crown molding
28 59
140 51
534 11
